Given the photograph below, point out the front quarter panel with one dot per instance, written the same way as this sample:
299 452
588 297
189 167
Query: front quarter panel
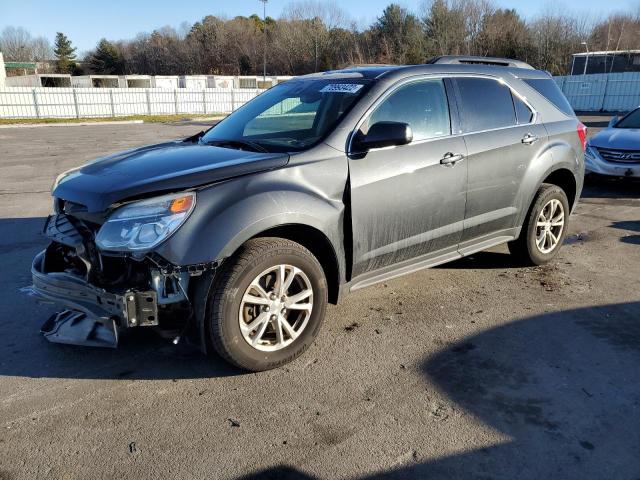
308 191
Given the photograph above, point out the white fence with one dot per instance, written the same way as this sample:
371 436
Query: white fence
602 92
19 102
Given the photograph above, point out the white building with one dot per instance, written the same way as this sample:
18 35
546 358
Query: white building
60 80
166 81
135 81
95 81
193 82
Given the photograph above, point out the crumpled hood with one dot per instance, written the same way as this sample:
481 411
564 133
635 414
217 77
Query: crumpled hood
618 138
166 166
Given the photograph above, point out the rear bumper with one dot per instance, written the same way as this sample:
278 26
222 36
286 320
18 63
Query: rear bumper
595 164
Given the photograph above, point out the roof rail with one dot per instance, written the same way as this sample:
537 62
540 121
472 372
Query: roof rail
476 60
367 65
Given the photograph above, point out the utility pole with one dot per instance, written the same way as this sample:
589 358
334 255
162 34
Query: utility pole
586 60
315 28
264 49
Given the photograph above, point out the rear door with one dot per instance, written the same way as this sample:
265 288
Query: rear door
406 202
501 138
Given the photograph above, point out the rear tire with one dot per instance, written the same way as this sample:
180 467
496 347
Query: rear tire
544 228
267 282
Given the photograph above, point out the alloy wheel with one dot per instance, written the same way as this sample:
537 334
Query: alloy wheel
275 308
549 226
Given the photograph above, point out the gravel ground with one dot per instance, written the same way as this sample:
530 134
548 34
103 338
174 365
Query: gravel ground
476 369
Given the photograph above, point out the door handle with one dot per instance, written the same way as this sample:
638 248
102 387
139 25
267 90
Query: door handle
529 139
450 159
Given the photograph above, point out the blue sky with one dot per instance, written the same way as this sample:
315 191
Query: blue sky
86 21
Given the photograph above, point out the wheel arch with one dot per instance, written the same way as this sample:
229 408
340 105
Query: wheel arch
318 244
566 180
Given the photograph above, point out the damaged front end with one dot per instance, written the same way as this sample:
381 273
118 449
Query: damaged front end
105 293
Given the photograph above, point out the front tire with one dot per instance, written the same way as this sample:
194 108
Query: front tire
267 304
545 227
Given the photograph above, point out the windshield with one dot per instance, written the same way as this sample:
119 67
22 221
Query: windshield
292 116
630 121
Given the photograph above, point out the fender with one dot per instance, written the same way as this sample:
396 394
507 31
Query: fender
228 214
558 155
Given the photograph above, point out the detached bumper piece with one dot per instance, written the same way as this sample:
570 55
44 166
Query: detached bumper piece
76 328
92 315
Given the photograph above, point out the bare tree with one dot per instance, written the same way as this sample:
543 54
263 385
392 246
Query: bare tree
313 35
16 44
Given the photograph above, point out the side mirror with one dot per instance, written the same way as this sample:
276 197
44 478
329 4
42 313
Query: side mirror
386 134
613 121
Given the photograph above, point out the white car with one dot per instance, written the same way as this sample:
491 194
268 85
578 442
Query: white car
615 151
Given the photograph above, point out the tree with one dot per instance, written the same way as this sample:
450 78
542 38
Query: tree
314 35
555 36
41 49
65 54
106 59
445 28
505 34
400 37
16 44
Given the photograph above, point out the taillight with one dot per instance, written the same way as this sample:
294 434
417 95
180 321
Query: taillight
582 135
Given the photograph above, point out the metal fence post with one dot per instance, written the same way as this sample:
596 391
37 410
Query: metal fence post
75 102
233 100
204 101
113 110
175 99
35 103
148 101
604 94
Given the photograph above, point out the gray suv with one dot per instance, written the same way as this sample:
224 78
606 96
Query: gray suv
238 237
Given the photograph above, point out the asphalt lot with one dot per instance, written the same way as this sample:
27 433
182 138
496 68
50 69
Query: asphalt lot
476 369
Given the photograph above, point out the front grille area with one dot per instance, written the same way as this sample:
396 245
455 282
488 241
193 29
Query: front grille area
619 156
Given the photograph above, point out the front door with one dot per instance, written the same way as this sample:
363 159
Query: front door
406 201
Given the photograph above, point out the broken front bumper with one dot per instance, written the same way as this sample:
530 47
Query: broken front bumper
92 315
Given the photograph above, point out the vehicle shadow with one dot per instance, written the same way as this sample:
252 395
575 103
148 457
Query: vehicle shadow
614 187
140 355
483 261
634 226
563 388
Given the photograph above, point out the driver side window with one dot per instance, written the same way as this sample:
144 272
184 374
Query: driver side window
421 104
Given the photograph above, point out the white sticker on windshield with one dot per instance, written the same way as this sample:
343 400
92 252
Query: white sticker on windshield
341 88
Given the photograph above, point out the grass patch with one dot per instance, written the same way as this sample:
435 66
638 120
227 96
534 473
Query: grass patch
144 118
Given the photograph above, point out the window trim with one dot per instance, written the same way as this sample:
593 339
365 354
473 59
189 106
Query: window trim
452 97
515 109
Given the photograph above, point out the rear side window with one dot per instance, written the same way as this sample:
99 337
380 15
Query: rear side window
422 104
549 89
524 114
486 104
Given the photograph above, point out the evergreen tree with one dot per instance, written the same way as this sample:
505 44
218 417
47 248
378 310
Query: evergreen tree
65 54
106 59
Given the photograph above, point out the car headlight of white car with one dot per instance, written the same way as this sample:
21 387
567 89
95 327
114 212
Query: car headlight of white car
143 225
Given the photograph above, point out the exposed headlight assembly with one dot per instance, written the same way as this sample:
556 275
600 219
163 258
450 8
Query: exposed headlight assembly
141 226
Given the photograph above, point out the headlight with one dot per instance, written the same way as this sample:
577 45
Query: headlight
143 225
590 152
